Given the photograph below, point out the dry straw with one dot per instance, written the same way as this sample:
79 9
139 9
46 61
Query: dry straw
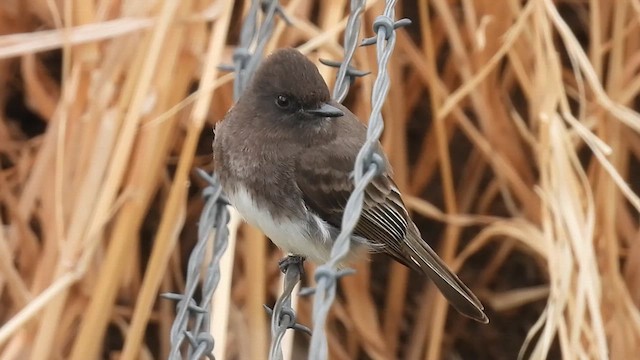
512 128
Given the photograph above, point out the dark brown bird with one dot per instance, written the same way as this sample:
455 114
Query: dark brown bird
284 155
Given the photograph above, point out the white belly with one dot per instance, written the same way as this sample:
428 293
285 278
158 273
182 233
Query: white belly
290 235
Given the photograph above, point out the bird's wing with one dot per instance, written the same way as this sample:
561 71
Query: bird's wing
325 182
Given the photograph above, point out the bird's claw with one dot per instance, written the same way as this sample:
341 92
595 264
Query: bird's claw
292 260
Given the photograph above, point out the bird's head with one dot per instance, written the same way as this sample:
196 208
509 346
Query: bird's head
288 87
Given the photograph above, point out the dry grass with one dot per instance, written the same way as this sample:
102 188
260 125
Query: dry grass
513 131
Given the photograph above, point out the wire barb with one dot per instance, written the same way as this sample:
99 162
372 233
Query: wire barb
291 324
388 27
351 73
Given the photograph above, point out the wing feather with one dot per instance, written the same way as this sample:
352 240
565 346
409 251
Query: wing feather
326 192
323 177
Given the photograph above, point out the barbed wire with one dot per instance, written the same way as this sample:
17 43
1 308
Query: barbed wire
346 73
367 166
192 320
283 315
214 216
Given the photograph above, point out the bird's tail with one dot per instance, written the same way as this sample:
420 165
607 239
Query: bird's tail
456 292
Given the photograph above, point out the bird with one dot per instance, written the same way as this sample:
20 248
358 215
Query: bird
284 155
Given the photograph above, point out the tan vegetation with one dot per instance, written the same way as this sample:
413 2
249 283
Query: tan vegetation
512 127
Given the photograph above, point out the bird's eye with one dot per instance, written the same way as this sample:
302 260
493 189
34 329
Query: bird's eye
283 101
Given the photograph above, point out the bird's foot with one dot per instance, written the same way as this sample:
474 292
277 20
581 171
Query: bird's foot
292 260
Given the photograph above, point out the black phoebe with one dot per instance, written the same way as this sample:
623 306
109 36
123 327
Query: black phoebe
284 154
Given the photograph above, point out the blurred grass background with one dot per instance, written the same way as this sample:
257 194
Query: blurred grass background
512 127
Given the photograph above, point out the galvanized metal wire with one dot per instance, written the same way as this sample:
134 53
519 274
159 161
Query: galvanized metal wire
368 165
192 319
351 32
283 317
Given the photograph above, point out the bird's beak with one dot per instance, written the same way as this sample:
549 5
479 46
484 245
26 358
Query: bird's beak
325 110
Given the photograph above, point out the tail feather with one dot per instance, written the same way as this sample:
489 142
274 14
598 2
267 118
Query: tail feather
453 289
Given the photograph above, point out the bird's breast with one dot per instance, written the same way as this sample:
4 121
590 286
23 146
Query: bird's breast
298 232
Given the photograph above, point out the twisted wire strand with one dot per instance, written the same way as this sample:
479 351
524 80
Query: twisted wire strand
283 317
351 32
368 164
192 319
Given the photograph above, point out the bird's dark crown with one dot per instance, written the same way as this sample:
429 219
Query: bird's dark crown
287 72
